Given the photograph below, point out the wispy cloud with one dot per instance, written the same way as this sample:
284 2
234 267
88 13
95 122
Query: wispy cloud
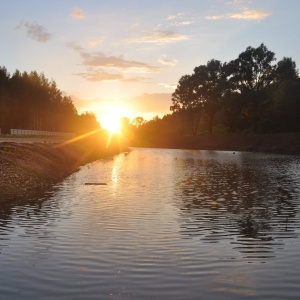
183 23
158 37
172 17
252 14
75 47
77 14
102 75
94 41
165 61
102 67
215 17
246 14
178 20
169 86
35 31
99 59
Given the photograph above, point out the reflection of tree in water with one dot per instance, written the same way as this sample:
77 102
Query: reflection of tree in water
252 203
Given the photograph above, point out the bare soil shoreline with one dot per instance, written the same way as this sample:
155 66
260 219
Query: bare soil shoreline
30 168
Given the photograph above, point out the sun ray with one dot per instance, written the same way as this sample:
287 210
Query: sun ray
77 138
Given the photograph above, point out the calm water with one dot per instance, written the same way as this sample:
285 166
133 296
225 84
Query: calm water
168 224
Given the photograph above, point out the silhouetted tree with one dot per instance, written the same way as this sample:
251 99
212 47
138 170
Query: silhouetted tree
286 70
211 87
187 101
87 122
138 121
250 93
287 106
31 101
4 97
251 73
201 93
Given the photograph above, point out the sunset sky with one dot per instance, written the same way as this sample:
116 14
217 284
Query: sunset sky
128 55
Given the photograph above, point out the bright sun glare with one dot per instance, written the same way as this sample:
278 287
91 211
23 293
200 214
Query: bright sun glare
111 120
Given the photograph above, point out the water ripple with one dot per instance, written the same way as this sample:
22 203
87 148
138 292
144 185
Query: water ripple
168 224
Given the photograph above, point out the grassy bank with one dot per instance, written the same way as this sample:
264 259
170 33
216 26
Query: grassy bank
27 169
283 143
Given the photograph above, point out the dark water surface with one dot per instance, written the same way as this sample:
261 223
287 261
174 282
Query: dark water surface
168 224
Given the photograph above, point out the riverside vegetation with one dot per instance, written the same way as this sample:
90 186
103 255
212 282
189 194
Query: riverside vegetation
248 95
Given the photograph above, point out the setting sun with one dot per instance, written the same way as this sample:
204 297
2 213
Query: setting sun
111 119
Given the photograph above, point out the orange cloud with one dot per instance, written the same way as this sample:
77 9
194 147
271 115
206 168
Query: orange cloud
99 59
158 37
101 67
252 14
77 14
246 14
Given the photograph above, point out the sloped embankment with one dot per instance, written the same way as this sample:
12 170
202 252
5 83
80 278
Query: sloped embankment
28 169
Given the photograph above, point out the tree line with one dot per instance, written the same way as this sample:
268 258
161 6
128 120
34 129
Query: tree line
31 101
250 94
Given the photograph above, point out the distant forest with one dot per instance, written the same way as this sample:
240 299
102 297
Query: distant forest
31 101
250 94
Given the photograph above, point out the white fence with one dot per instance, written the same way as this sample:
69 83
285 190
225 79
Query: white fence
39 132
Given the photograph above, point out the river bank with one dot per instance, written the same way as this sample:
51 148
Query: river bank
281 143
28 169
